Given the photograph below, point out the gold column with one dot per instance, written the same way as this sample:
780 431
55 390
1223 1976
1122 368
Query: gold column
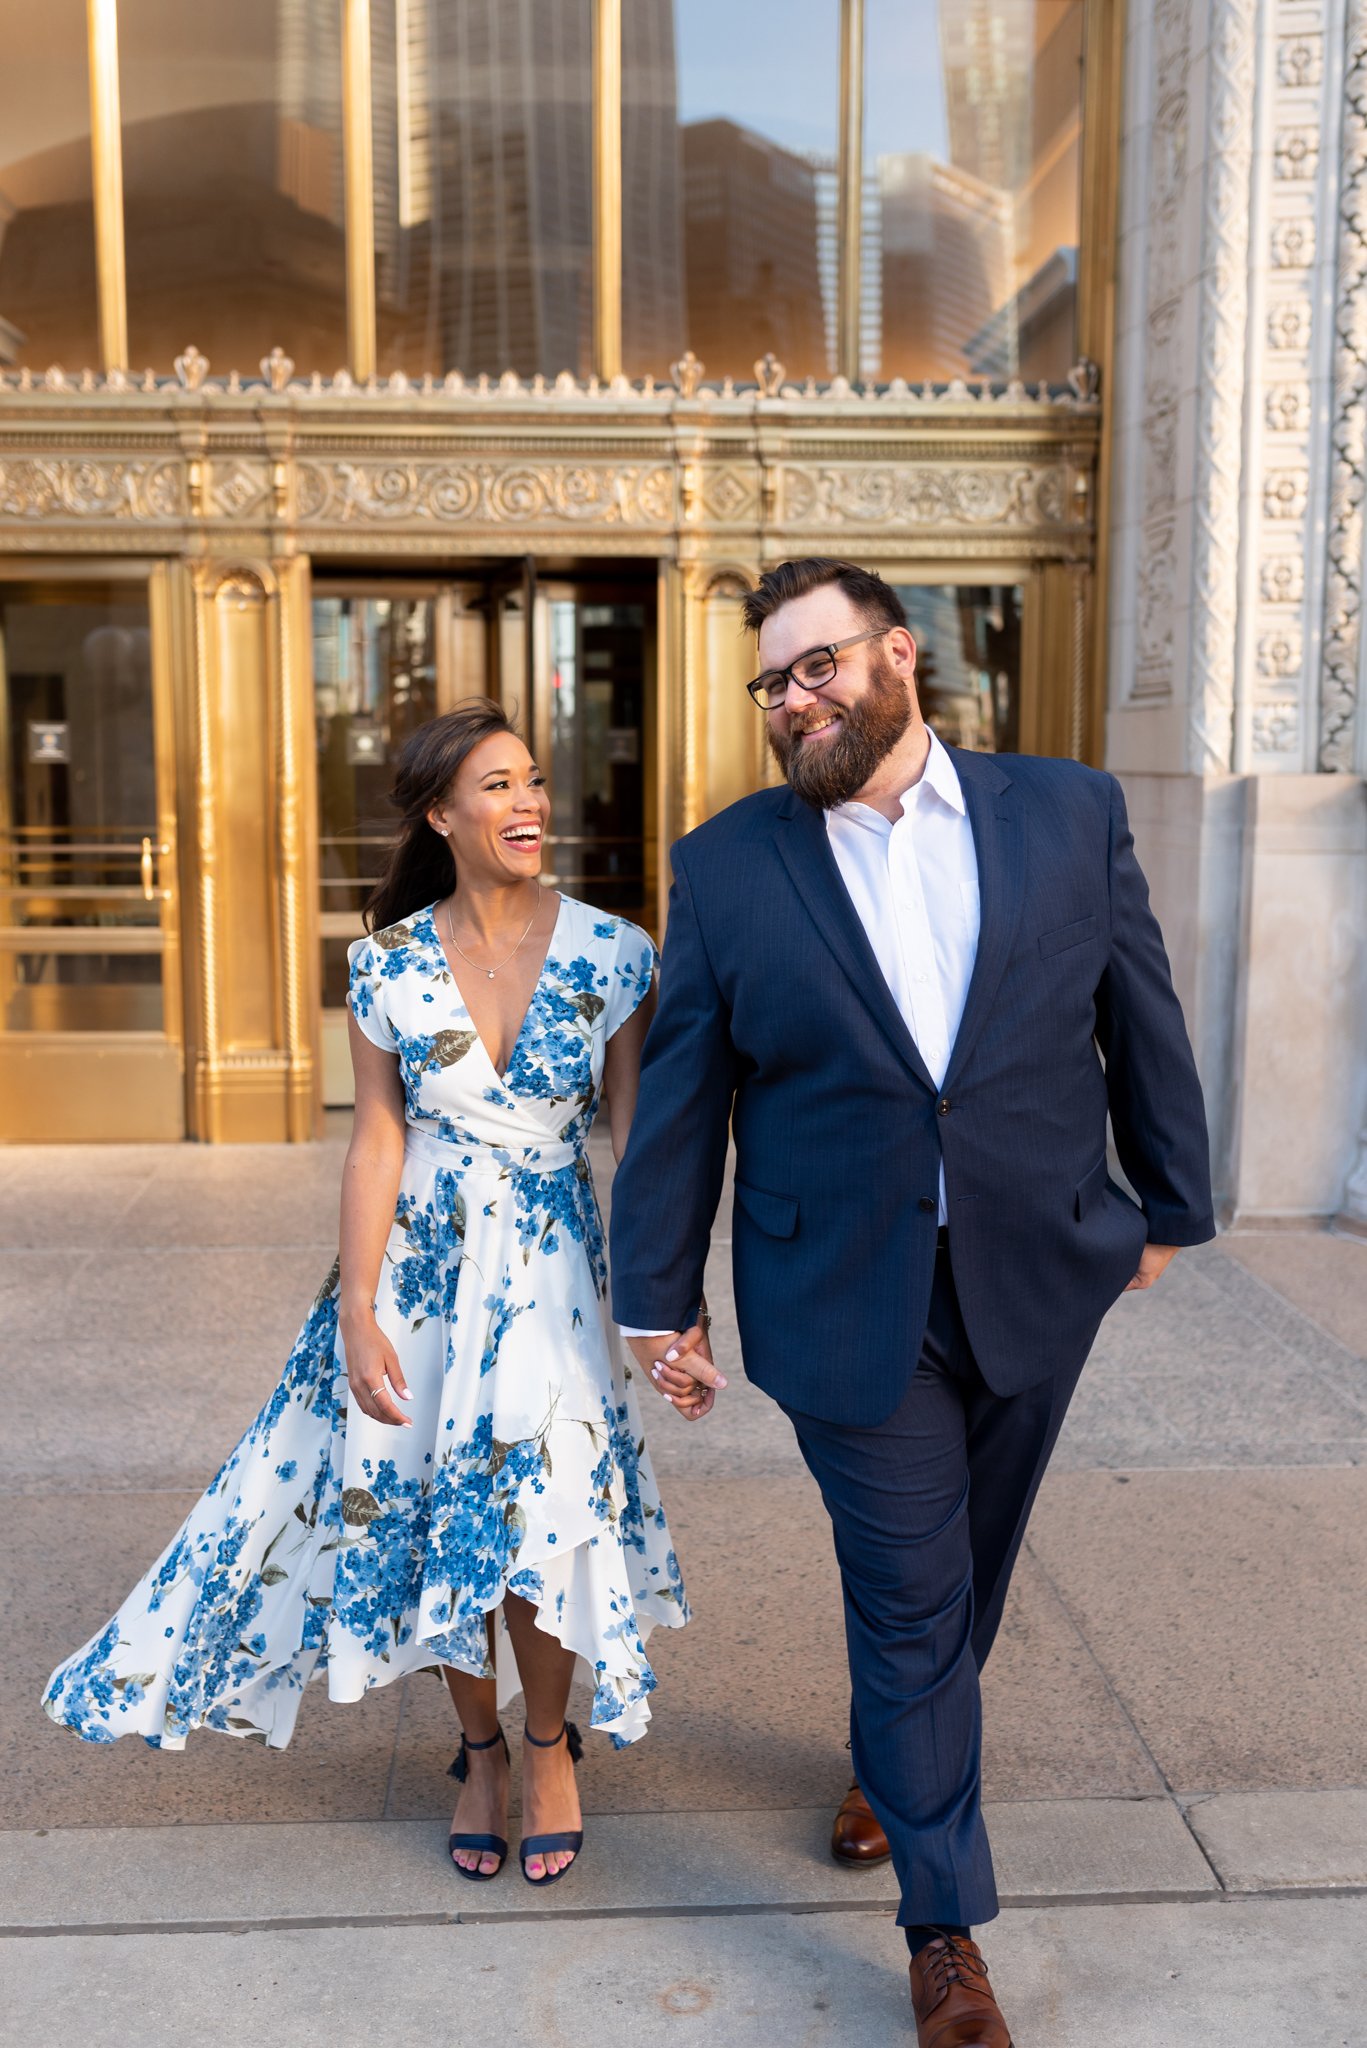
297 837
358 157
1102 112
850 203
607 188
106 158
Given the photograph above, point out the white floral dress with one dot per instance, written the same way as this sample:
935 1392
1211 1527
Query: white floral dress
330 1542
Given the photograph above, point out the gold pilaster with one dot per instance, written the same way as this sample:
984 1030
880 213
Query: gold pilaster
1098 225
106 159
358 152
850 202
297 839
607 188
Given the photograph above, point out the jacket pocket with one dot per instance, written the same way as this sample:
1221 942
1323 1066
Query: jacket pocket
1090 1189
1067 935
775 1214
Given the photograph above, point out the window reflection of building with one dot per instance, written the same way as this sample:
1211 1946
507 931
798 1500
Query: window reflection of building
232 172
484 185
750 253
47 233
979 251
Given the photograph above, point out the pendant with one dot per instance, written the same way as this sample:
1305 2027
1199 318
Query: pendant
492 972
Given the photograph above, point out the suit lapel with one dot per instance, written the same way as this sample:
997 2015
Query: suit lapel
998 822
806 852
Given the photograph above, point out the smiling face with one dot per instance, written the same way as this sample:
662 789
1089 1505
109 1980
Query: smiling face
830 742
496 812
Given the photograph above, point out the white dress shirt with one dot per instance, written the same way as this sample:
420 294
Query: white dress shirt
913 882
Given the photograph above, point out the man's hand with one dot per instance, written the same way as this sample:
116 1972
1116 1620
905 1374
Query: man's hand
1153 1264
679 1366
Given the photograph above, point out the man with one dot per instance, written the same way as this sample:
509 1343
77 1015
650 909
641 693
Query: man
913 982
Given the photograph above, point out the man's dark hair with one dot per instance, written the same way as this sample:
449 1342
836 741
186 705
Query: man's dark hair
875 600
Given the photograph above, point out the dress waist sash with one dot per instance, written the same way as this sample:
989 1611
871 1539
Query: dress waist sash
453 1153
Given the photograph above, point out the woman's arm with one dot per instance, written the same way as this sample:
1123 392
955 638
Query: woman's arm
370 1183
622 1072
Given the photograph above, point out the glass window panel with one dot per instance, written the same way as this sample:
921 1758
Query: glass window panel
972 164
759 119
80 864
232 173
484 185
48 308
968 656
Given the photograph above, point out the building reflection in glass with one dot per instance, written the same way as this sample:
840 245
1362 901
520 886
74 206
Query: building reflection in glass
968 661
47 223
232 171
972 155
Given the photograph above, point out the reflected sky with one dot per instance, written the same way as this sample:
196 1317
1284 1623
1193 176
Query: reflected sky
775 66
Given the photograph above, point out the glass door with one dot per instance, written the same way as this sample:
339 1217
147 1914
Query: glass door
90 1000
592 726
968 660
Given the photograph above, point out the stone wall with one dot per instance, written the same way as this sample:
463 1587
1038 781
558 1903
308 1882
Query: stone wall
1239 397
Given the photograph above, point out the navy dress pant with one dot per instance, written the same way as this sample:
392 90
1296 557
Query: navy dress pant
928 1511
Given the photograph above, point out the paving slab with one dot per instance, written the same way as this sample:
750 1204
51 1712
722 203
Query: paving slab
1205 1976
633 1864
1261 1841
1226 1611
1323 1276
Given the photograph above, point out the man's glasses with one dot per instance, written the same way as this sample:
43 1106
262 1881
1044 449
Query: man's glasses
811 671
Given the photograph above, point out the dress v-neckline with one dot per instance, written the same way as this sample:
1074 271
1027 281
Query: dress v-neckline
531 1000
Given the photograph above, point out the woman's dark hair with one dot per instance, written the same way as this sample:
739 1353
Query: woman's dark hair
421 866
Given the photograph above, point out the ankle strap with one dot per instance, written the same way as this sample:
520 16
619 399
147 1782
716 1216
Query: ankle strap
536 1741
482 1745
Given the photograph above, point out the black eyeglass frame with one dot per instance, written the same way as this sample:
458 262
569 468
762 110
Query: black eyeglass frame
786 676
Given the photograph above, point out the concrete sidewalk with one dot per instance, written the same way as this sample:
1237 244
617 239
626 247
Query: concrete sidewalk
1174 1755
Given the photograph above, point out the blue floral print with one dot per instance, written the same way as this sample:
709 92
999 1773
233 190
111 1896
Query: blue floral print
330 1546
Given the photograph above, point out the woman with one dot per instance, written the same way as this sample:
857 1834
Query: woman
454 1437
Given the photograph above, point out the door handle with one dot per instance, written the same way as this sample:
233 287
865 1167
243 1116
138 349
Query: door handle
145 869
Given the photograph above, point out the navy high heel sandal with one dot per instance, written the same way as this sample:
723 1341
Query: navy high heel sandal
546 1845
493 1845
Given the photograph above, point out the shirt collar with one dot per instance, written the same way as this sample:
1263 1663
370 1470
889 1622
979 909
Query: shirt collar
938 777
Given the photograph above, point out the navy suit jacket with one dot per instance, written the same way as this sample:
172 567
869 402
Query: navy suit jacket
775 1019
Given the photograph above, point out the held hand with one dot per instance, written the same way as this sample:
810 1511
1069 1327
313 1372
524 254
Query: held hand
374 1373
1153 1264
680 1368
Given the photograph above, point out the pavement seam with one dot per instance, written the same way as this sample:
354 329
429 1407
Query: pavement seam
1123 1710
1009 1903
1236 1281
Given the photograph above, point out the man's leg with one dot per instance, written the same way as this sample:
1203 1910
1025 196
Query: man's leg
1010 1441
898 1501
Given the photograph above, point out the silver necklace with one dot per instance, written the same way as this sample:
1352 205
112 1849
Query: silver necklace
490 971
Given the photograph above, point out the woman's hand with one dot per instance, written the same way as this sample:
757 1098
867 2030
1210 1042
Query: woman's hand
679 1366
373 1370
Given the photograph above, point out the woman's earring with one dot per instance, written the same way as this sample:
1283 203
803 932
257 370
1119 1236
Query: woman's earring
445 831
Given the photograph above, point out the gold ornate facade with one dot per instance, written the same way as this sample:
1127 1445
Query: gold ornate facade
273 572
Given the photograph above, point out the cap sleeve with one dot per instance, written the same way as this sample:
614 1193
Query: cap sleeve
367 993
630 974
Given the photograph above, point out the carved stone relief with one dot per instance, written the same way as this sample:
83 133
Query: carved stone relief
1341 655
1220 381
80 488
1164 277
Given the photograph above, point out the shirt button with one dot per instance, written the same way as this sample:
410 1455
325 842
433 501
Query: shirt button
942 1106
927 1205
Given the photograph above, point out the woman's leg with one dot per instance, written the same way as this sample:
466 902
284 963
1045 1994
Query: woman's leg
550 1797
482 1808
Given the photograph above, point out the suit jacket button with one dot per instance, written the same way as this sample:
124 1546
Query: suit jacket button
942 1106
927 1205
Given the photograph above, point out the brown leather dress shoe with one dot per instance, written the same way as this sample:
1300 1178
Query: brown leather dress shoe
856 1836
952 1999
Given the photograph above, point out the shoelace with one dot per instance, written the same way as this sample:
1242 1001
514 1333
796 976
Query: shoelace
949 1960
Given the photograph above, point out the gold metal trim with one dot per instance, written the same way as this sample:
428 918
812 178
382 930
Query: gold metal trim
106 159
850 202
358 156
1103 51
607 189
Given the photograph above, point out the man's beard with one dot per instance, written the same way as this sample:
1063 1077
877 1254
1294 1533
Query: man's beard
829 772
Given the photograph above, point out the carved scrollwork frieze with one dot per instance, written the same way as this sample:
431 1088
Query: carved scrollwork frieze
84 488
382 492
971 496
